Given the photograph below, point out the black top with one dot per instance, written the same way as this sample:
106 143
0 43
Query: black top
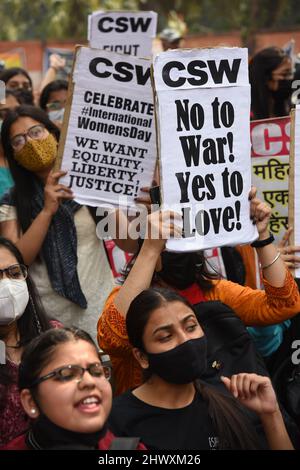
188 428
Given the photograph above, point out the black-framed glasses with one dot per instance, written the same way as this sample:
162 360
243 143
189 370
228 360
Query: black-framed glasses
75 372
36 132
16 272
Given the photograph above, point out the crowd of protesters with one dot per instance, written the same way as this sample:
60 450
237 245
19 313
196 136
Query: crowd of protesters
57 295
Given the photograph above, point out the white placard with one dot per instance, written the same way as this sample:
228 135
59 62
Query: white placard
125 32
270 140
109 149
203 110
297 183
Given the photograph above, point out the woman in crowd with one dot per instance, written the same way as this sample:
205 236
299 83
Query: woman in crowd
56 236
53 100
22 318
65 390
18 80
186 274
173 408
270 75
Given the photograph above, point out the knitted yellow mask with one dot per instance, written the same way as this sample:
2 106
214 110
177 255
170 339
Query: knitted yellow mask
36 155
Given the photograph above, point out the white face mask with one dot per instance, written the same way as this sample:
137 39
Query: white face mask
56 115
14 297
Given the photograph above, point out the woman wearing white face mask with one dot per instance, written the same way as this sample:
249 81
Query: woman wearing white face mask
53 100
22 318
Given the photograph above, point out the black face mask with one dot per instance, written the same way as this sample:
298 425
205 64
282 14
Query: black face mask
284 90
178 269
181 365
25 96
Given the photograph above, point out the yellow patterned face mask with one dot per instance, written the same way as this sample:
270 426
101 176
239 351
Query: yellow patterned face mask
36 155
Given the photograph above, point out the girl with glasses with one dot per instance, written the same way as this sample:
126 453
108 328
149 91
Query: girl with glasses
66 392
22 318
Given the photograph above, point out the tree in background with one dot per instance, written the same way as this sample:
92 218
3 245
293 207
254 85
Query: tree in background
67 19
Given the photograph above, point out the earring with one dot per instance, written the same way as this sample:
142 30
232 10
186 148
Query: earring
33 411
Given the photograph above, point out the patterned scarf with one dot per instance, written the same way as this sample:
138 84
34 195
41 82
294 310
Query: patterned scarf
59 249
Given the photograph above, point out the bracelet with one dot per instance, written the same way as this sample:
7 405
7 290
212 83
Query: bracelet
272 262
262 243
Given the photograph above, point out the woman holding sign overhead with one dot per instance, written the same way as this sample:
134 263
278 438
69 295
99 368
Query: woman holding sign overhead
185 273
56 236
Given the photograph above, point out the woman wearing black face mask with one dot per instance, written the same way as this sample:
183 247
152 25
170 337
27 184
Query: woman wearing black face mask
186 274
18 80
173 409
270 75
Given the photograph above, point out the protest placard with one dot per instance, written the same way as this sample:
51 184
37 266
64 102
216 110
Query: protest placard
294 181
270 140
126 32
108 137
203 109
118 258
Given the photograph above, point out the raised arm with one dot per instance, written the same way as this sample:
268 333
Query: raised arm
281 299
256 393
273 267
56 62
141 274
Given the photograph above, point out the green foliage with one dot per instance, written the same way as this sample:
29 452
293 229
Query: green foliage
67 19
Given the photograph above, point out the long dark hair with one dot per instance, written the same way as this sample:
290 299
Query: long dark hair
9 73
24 96
33 321
23 190
260 72
232 425
41 350
56 85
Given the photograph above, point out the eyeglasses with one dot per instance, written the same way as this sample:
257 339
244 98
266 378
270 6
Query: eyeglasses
18 86
55 105
36 132
17 272
75 372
